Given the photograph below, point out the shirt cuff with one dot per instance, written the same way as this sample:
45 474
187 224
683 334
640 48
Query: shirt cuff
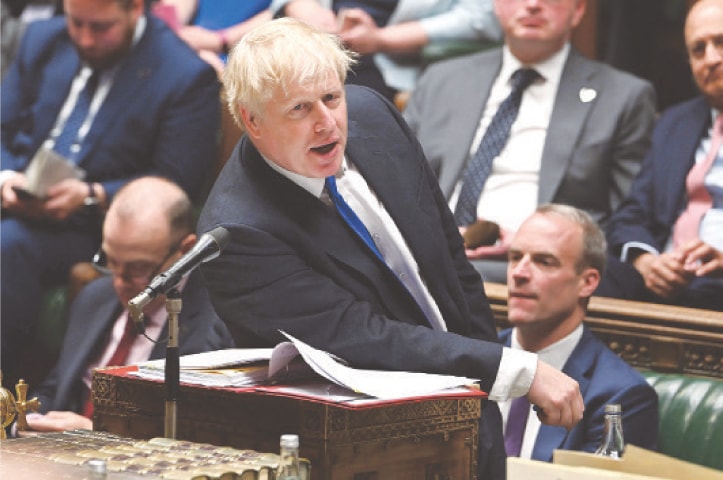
515 375
5 175
625 252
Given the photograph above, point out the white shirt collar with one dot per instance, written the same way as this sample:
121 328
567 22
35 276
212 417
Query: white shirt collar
314 186
556 354
550 69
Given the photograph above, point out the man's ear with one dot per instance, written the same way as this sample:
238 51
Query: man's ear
187 243
589 279
251 123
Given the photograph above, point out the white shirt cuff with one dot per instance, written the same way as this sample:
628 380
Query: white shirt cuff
515 375
636 245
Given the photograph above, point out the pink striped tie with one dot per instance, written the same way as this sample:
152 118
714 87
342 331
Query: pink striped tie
699 200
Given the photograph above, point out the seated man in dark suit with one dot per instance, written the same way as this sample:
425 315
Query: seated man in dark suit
141 238
555 262
666 239
340 236
119 95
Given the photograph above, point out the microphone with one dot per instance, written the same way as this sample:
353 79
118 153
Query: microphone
207 248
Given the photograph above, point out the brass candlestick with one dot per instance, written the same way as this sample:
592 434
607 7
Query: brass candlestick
10 408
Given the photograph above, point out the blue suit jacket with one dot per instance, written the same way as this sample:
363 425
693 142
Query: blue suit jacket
160 117
603 378
657 198
90 321
292 263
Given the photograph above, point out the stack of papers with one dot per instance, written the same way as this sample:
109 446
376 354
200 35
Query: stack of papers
295 359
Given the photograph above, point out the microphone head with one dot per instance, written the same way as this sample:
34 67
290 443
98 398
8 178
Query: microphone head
220 235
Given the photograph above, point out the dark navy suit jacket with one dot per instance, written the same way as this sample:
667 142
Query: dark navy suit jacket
603 378
293 264
90 321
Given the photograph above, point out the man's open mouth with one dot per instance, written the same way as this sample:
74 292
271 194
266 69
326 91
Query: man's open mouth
324 149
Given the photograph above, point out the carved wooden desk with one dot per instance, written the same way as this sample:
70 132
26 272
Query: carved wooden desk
431 439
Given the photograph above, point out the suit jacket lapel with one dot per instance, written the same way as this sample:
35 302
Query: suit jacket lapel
408 204
578 366
569 114
680 157
91 338
132 74
61 71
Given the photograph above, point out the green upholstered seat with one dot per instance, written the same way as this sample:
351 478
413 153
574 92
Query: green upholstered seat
691 417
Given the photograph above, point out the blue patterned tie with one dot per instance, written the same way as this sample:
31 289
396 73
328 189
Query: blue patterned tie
516 423
349 216
69 136
492 143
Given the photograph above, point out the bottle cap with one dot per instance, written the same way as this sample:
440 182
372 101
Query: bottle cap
290 440
613 408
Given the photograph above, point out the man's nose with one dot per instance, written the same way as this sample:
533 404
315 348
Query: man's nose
324 119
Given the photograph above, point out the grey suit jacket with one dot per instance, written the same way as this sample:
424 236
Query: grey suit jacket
592 150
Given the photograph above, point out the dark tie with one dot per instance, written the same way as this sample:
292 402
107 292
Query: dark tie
699 200
492 143
516 422
69 135
119 357
349 216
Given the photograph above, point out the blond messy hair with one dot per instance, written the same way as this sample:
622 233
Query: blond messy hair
276 55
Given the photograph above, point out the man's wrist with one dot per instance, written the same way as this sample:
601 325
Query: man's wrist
223 37
92 199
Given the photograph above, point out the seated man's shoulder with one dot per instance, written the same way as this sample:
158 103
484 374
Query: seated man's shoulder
456 67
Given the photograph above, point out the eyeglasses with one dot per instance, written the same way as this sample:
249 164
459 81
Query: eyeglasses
697 49
137 272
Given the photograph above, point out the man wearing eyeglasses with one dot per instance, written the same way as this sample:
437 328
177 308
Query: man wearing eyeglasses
141 238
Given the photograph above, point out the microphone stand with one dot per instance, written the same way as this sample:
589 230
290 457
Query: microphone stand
172 368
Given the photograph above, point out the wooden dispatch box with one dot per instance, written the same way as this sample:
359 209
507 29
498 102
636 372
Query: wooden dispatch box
427 439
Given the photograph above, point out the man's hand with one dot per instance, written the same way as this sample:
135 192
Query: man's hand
664 274
314 14
358 31
557 397
55 422
701 259
497 251
65 197
31 208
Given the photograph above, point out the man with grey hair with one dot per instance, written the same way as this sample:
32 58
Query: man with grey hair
555 263
341 237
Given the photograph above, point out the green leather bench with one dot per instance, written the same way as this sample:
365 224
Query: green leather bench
691 417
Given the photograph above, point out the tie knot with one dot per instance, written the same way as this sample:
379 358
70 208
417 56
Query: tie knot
523 77
718 124
330 184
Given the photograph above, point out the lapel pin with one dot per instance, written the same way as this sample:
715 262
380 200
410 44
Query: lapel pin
587 95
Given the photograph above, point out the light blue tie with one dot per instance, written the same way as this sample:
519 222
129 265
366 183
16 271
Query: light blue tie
493 141
350 217
69 136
